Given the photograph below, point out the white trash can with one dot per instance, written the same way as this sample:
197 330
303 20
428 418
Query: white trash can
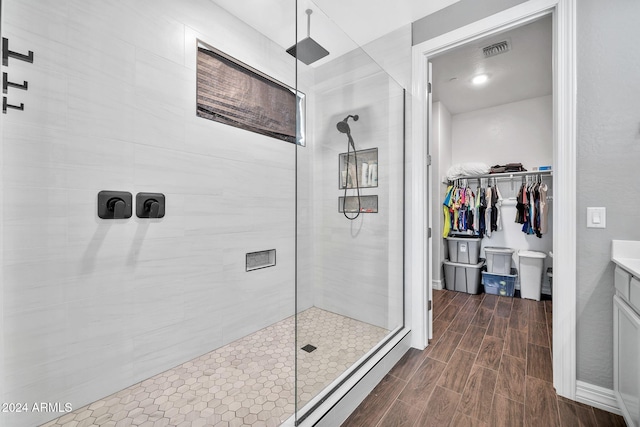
531 266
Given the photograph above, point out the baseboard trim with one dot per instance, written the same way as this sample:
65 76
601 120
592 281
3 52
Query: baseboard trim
437 284
596 396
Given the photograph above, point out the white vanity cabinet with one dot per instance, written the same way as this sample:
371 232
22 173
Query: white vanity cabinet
626 345
626 356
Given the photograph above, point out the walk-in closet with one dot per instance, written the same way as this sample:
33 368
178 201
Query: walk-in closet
492 165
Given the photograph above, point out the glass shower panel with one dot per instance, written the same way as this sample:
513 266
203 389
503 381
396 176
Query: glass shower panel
350 208
188 318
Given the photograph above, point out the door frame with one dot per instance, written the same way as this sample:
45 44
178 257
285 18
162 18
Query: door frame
564 173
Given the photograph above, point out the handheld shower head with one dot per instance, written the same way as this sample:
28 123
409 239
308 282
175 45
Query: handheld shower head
343 126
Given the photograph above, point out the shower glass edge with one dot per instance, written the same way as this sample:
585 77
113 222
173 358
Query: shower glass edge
349 282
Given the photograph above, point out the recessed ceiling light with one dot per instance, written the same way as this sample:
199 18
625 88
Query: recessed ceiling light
480 79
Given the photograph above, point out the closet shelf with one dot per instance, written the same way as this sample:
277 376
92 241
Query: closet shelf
505 175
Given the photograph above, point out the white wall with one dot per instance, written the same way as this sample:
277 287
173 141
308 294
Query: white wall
608 150
92 306
518 132
440 150
510 133
456 15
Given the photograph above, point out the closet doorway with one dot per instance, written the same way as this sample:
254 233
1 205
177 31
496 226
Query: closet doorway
562 142
492 104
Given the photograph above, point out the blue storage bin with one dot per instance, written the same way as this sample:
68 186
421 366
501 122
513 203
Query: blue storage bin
500 284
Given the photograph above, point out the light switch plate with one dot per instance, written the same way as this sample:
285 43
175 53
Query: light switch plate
596 217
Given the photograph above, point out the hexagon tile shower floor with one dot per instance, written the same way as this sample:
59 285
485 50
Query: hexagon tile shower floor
249 382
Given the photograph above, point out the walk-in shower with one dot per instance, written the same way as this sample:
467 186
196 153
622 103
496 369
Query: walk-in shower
244 297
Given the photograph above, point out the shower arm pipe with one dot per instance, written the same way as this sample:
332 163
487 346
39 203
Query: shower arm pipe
308 12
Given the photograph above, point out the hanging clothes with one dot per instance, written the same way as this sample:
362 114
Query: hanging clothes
471 213
458 208
532 208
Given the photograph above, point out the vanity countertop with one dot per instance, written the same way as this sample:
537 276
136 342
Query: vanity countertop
626 254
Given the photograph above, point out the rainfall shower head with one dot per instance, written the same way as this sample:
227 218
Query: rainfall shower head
308 50
343 126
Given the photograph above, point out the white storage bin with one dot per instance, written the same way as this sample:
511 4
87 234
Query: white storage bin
498 260
464 250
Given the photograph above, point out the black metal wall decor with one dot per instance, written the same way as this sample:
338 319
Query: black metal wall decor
6 105
6 54
6 84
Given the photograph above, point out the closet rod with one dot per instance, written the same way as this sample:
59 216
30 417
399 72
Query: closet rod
507 175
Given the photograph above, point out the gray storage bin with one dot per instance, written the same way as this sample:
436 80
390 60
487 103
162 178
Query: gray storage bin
462 277
498 259
464 250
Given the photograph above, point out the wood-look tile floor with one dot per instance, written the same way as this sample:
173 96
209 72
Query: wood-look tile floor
488 365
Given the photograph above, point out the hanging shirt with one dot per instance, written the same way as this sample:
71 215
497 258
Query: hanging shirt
519 206
476 211
447 212
498 208
494 209
446 224
544 209
487 213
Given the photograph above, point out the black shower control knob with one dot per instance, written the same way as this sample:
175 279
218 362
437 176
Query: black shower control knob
114 204
150 205
117 206
153 207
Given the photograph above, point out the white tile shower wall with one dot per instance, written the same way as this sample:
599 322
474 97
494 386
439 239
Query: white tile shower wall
306 211
92 306
358 271
392 52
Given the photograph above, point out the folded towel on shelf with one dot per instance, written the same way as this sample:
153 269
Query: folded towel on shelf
465 169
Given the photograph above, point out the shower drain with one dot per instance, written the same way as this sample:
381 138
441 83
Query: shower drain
309 348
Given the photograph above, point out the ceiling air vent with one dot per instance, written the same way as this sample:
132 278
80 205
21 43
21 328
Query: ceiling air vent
496 49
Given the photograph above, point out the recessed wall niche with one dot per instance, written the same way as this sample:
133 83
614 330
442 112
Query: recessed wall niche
366 170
